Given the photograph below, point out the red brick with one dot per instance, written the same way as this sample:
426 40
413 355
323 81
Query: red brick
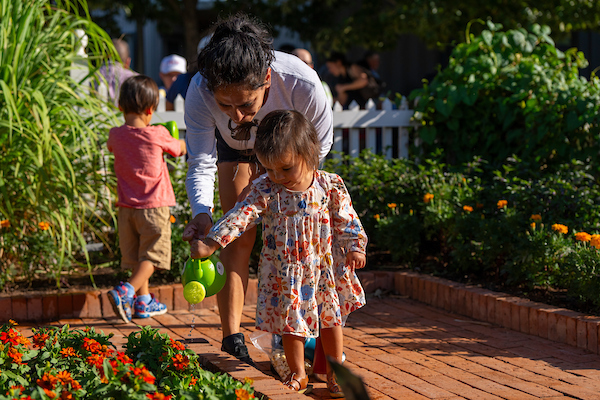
442 295
461 301
468 302
79 305
383 280
542 323
504 308
5 309
50 307
65 306
400 283
34 308
570 318
208 302
523 317
367 279
19 309
164 294
421 286
434 292
107 310
94 304
553 327
479 306
581 327
179 302
452 298
592 334
515 316
490 315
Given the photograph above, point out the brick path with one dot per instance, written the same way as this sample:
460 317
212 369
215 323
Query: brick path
404 349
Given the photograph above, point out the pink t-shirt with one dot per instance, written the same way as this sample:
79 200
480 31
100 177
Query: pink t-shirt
142 175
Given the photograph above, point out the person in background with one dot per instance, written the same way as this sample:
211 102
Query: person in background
241 80
351 78
305 56
114 73
170 68
144 197
304 212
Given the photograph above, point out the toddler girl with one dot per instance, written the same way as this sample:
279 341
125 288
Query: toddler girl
309 226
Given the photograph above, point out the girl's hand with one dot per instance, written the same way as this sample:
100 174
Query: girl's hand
355 259
202 248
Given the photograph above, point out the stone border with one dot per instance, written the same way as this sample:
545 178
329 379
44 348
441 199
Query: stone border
522 315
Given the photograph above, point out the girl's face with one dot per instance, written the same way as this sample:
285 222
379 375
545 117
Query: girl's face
240 103
290 172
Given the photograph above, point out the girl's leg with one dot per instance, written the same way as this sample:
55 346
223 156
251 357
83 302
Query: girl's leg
293 346
332 340
233 179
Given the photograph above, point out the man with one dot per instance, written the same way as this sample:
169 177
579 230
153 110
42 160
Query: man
170 68
305 56
113 74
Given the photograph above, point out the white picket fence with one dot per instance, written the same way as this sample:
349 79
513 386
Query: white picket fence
383 131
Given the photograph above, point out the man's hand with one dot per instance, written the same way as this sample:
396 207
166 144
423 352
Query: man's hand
197 228
203 248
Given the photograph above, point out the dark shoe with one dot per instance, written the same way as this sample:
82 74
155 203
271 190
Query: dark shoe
234 345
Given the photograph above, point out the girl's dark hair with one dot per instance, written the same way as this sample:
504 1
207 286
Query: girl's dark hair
138 93
287 131
239 52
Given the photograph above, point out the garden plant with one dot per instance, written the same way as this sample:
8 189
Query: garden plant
59 362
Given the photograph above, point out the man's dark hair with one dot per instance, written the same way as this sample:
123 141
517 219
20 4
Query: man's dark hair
138 94
239 53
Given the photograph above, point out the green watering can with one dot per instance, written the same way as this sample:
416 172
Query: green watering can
202 277
171 127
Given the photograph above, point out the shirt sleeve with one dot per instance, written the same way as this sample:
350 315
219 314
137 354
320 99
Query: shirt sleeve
202 151
243 216
169 144
348 231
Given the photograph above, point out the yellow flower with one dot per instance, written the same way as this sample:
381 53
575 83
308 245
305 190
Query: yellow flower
428 197
4 223
583 236
377 217
532 225
502 203
560 228
44 225
172 219
536 217
595 241
392 205
468 208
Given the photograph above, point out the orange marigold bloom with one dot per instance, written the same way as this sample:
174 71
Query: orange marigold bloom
68 352
193 381
47 381
468 208
177 345
242 394
66 395
11 336
172 219
180 362
39 340
16 355
595 241
583 236
144 373
49 393
560 228
428 197
44 225
392 205
95 360
532 225
4 223
92 345
502 203
536 217
124 358
377 217
158 396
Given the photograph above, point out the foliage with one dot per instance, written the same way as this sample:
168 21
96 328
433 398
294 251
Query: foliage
83 364
485 224
377 24
51 176
512 92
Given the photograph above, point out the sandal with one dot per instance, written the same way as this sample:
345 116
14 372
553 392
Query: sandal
334 388
299 385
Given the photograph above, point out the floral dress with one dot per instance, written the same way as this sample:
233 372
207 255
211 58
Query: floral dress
303 282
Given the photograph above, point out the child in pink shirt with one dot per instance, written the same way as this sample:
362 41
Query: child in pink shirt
145 195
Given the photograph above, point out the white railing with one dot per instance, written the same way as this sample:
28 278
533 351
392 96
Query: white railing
383 131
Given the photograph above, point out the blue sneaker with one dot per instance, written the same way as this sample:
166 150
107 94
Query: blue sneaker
151 309
121 299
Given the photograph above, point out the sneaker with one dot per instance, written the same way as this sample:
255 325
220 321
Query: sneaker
121 299
234 345
154 307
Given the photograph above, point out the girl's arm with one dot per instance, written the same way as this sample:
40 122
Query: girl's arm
348 231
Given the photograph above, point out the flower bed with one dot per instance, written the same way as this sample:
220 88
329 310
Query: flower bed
60 363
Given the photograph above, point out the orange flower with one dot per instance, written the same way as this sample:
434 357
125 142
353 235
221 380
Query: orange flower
4 223
536 217
65 378
15 354
502 203
242 394
468 208
560 228
11 336
144 373
177 345
193 381
47 381
68 352
96 360
39 340
428 197
172 219
157 396
92 345
44 225
532 225
583 236
377 217
180 362
392 205
595 241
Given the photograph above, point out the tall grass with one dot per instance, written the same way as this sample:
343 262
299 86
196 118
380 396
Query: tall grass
52 129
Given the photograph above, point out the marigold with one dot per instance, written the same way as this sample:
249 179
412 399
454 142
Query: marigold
392 205
242 394
583 236
177 345
158 396
595 241
172 219
144 373
536 217
47 381
428 197
4 223
39 340
560 228
180 362
16 355
11 336
502 203
68 352
468 208
377 217
532 225
44 225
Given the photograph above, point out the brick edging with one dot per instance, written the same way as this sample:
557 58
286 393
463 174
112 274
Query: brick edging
522 315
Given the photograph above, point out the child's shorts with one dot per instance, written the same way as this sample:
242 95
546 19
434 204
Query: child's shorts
145 235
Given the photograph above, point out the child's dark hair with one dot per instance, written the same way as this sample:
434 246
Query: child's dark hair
138 94
239 53
287 131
